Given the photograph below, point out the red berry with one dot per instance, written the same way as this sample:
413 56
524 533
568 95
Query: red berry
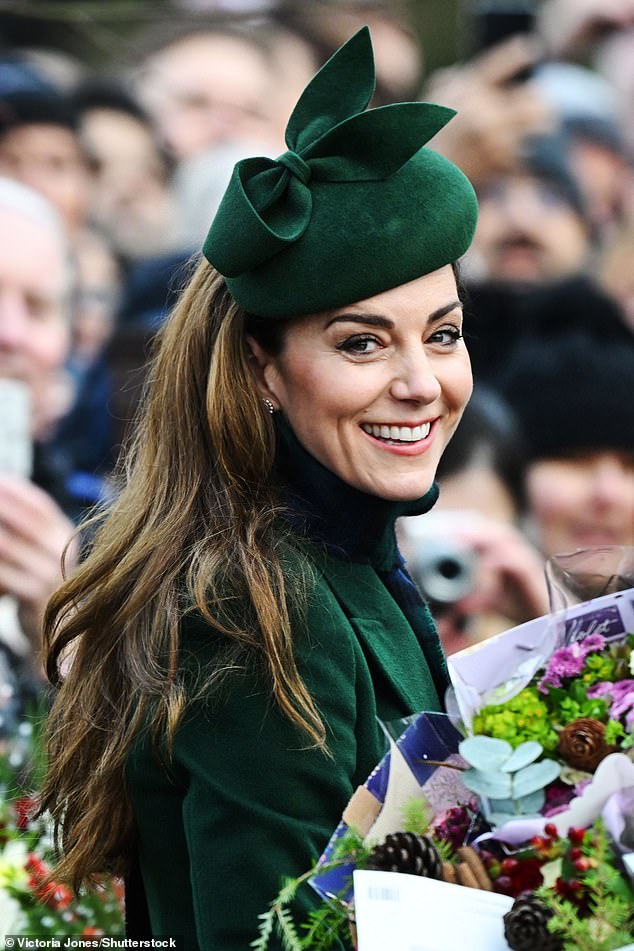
576 835
551 829
575 854
538 842
582 864
508 866
504 885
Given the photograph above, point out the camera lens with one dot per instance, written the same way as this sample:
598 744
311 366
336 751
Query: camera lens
443 571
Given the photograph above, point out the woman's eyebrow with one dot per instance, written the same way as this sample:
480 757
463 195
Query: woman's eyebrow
443 311
374 320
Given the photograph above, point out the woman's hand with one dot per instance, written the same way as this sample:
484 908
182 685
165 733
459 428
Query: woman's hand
33 535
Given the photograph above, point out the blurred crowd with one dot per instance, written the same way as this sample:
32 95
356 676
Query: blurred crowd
110 177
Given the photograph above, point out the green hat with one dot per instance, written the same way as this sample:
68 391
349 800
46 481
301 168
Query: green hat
355 206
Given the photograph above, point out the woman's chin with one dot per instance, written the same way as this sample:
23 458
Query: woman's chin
406 491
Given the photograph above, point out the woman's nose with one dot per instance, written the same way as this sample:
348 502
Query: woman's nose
415 380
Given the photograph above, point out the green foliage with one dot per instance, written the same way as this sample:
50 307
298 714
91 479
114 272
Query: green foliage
610 922
325 925
614 733
522 718
570 703
416 816
598 667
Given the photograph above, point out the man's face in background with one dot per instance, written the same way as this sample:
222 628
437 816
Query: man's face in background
34 322
527 232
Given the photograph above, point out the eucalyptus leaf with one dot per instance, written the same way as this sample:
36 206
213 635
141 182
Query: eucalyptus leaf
491 785
534 777
522 755
531 803
506 806
485 752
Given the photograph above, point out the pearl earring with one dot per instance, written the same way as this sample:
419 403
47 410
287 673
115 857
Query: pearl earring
269 405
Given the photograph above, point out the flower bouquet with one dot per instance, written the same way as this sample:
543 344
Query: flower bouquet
512 817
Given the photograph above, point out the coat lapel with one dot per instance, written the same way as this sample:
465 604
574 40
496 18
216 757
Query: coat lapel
380 625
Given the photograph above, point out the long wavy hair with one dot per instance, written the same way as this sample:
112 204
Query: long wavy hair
197 517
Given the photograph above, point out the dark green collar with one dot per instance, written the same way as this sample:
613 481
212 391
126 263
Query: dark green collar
350 523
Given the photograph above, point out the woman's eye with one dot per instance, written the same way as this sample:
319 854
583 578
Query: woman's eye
360 343
446 336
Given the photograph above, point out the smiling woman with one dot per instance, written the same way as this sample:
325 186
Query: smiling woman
244 615
376 390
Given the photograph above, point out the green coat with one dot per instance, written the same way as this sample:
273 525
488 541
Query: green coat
244 803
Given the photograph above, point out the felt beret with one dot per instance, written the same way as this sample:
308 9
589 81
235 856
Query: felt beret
355 207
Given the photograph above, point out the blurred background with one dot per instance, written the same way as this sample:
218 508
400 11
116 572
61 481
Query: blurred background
120 123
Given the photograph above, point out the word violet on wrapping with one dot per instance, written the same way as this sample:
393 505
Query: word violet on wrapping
606 621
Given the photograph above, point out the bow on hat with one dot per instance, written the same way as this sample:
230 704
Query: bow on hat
268 202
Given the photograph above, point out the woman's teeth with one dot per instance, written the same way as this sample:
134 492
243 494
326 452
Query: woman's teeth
400 433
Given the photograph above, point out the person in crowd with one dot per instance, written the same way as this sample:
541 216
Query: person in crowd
86 434
36 505
40 147
572 394
587 110
616 274
244 615
398 54
532 226
502 318
471 557
132 199
213 85
499 109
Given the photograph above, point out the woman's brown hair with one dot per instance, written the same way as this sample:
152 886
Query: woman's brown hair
197 518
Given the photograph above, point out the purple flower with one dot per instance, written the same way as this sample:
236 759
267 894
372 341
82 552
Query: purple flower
565 662
593 643
622 696
569 661
602 689
558 796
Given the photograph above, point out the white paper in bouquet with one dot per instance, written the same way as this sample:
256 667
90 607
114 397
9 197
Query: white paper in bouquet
497 669
411 913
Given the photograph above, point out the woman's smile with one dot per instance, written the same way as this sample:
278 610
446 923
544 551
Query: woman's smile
375 390
401 438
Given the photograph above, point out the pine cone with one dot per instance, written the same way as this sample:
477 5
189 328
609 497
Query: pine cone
406 852
582 744
526 926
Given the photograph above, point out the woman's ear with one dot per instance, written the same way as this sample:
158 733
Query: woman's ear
264 370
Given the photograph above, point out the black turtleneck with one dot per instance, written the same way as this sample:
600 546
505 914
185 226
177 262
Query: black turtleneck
358 527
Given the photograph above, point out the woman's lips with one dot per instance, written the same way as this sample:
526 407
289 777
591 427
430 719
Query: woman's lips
411 440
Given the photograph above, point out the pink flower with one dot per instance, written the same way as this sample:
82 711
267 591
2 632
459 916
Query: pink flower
622 696
569 661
